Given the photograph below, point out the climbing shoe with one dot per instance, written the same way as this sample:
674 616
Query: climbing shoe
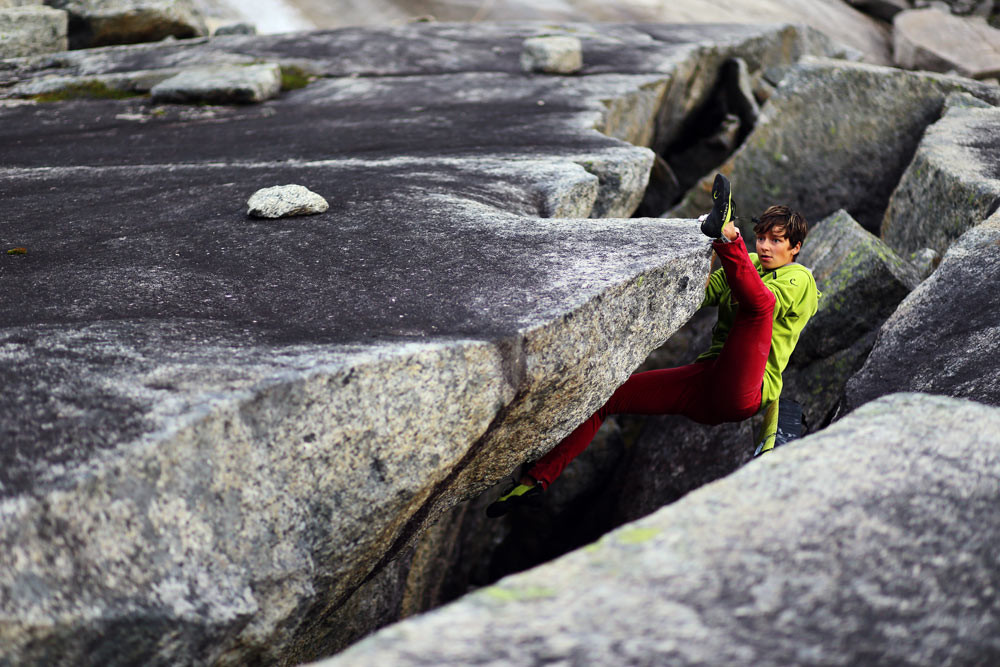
722 208
515 496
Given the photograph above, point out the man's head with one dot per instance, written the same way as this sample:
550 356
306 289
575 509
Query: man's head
780 232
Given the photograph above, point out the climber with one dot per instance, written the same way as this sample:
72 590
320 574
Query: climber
764 301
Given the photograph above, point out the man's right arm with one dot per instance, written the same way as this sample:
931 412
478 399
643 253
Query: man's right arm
715 288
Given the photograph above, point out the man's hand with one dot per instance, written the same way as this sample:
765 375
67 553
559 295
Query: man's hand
730 231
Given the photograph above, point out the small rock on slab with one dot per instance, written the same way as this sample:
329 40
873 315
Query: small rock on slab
930 39
552 55
31 30
225 84
236 29
285 201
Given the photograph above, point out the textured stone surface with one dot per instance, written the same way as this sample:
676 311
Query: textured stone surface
282 201
29 30
103 22
952 183
552 55
835 135
871 542
215 429
862 281
832 17
935 40
223 84
958 304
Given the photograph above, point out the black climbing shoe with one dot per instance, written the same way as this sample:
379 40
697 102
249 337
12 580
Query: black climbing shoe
516 496
722 208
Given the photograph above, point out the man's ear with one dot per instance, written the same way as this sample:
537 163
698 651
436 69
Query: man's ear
797 248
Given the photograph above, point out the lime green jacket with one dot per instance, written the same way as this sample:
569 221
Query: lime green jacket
796 300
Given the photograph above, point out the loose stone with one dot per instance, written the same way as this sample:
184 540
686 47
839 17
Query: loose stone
285 201
552 55
224 84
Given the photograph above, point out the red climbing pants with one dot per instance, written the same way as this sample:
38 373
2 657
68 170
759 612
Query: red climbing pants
724 389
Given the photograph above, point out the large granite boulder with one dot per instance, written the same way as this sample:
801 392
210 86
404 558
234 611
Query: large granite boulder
834 135
936 40
102 22
217 429
862 281
952 183
943 337
28 30
871 541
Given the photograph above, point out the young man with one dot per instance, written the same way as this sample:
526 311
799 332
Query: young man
764 301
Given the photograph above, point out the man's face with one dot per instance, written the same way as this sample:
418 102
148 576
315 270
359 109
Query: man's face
774 250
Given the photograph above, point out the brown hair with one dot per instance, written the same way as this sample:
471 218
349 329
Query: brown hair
793 224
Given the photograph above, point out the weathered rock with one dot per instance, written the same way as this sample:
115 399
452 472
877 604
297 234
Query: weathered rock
827 539
958 304
862 281
285 201
224 84
930 39
556 54
952 183
235 29
835 135
104 22
881 9
28 30
925 261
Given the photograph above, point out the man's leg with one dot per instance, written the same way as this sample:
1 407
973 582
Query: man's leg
660 392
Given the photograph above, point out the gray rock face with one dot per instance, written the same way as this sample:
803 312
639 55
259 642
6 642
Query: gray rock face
224 84
835 135
218 429
931 39
104 22
957 303
29 30
235 29
862 281
833 539
285 201
952 183
557 54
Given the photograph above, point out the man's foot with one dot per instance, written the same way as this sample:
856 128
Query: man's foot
722 208
517 495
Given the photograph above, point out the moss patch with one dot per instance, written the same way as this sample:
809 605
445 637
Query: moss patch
293 78
518 594
637 535
86 90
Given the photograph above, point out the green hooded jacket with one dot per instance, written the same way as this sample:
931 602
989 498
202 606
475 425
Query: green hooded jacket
796 300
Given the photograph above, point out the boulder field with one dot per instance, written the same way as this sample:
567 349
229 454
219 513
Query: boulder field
216 428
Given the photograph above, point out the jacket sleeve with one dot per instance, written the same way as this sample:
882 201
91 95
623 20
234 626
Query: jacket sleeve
795 294
715 288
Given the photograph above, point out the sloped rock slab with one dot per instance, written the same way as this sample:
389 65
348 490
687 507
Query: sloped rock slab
827 551
952 184
29 30
862 281
834 136
958 304
931 39
226 84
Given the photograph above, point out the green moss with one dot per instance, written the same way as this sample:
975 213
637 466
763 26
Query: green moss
293 78
637 535
502 594
86 90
